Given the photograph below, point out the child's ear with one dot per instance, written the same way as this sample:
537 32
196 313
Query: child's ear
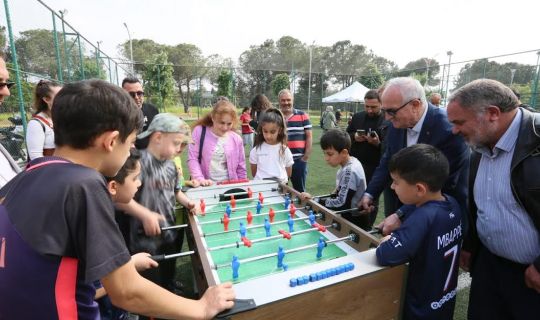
108 140
421 189
112 186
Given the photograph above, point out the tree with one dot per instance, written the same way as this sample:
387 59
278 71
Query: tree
225 84
484 68
159 80
280 82
188 65
371 77
143 49
91 70
428 67
36 53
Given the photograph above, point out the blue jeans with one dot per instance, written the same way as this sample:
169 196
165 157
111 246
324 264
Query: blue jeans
299 174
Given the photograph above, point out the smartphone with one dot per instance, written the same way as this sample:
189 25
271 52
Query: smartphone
361 132
372 133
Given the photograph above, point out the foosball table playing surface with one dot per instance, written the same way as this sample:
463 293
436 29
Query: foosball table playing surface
288 258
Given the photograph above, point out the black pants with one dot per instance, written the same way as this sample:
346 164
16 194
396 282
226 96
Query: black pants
498 290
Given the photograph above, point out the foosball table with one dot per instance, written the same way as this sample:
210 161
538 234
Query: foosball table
287 258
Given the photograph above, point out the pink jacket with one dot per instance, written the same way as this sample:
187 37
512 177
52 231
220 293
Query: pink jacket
234 152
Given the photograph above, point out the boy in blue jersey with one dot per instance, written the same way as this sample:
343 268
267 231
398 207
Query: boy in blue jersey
57 229
430 236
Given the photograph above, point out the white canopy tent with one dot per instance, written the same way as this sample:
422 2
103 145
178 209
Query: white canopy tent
353 93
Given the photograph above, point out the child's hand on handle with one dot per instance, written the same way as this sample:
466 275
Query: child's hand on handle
151 224
217 298
205 182
193 207
305 196
142 261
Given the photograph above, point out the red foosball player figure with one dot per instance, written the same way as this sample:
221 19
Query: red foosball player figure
203 207
292 209
233 202
249 217
226 222
249 193
261 198
271 214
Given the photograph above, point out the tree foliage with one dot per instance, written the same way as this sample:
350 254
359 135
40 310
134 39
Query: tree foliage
225 84
484 68
158 79
371 78
280 82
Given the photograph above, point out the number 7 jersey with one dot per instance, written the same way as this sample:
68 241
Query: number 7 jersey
430 240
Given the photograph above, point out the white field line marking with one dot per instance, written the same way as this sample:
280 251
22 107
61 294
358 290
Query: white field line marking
464 281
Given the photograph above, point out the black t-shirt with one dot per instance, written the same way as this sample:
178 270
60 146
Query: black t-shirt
149 112
56 214
368 154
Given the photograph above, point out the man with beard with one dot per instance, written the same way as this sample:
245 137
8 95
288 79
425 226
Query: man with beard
502 247
366 131
299 138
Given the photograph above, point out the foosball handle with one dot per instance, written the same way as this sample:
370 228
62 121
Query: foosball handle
240 305
158 257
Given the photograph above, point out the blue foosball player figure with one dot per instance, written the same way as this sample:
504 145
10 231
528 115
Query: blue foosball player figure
290 221
235 266
320 247
267 227
280 256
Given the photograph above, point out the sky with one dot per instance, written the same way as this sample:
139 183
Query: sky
400 31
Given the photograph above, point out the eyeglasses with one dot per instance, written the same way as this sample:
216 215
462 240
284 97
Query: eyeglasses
393 112
133 94
7 84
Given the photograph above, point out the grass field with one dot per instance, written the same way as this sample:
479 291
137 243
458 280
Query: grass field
321 180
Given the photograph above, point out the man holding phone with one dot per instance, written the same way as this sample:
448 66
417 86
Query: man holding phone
366 131
366 135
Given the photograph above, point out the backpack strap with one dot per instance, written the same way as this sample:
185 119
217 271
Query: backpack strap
201 143
43 121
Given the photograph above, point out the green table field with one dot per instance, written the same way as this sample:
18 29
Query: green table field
263 267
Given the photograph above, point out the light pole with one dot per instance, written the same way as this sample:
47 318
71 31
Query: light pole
130 50
449 53
513 71
309 76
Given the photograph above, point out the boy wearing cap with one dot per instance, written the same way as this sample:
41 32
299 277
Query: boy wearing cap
153 205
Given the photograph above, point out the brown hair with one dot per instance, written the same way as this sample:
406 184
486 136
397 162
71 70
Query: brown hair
42 91
221 108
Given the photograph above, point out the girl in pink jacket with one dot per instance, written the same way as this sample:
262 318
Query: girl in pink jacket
217 153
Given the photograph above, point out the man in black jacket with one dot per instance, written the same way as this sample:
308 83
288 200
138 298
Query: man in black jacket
502 248
135 89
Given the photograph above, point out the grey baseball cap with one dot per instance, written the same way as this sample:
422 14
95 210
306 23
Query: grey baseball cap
165 122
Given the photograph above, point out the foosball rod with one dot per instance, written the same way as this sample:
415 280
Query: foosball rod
317 215
278 236
245 207
242 218
161 257
350 237
242 193
178 226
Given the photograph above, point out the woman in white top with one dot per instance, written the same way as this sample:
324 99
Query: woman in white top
39 133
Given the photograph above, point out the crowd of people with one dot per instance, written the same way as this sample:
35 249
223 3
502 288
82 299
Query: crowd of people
460 189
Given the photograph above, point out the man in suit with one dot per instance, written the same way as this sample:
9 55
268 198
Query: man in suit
8 166
502 247
415 121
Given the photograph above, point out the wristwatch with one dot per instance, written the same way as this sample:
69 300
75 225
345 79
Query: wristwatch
400 214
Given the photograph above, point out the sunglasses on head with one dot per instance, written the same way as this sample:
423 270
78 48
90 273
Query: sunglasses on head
7 84
133 94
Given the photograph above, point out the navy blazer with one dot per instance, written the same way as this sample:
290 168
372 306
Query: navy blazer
436 131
